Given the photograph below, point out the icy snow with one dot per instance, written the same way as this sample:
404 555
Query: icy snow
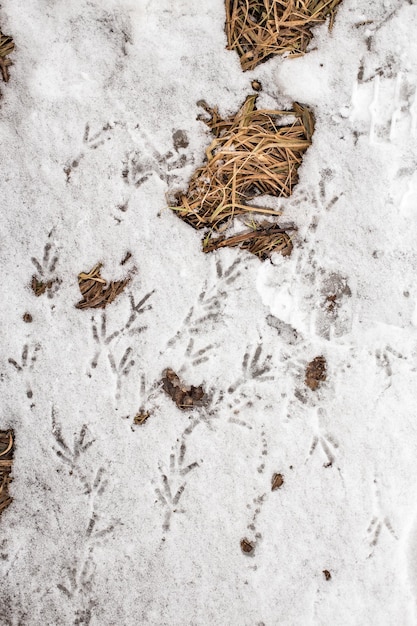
113 523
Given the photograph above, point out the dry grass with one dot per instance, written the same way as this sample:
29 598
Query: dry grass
96 292
6 461
253 153
39 287
6 47
260 240
258 29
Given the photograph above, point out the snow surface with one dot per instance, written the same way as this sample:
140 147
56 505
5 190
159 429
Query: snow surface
113 523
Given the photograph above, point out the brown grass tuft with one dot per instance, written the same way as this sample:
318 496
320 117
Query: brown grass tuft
97 294
259 29
6 47
6 461
253 153
260 240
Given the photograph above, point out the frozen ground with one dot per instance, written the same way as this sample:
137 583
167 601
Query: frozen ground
113 523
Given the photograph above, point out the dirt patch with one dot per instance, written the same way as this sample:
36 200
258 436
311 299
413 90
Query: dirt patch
6 461
260 29
316 372
98 293
184 396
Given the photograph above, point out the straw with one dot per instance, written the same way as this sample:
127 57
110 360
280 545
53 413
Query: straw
253 153
261 241
6 461
259 29
6 47
96 292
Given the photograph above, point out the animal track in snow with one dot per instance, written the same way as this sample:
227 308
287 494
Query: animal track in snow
121 369
77 586
140 165
264 453
210 302
71 455
173 483
253 368
257 503
256 508
333 317
384 106
103 339
91 141
311 299
379 521
375 527
45 280
26 364
324 441
193 357
328 445
206 414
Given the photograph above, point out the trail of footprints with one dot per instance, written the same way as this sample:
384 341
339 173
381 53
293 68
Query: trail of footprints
78 578
381 123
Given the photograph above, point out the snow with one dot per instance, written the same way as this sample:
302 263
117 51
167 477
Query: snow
88 163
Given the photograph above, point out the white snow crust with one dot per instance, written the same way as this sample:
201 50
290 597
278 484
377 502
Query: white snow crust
113 523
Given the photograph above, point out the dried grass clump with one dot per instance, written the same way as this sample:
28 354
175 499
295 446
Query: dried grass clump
6 461
258 29
261 241
97 294
253 153
6 47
